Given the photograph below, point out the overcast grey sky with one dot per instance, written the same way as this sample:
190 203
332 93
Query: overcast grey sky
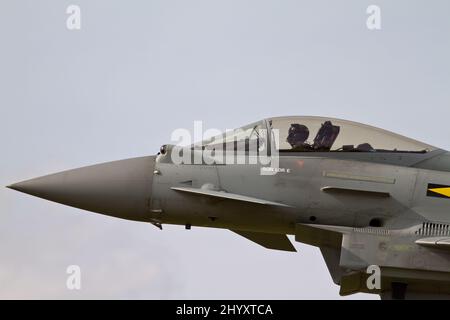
137 70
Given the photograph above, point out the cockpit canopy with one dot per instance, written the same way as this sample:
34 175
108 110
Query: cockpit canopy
327 134
314 134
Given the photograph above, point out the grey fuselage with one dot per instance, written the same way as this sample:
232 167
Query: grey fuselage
379 200
302 188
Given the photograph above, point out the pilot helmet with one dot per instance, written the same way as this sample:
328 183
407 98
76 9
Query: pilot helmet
297 135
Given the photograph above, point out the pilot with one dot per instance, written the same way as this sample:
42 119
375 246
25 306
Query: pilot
297 136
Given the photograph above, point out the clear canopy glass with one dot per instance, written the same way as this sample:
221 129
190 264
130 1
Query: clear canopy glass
248 139
327 134
312 134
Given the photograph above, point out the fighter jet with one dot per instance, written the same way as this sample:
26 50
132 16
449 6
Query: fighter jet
376 204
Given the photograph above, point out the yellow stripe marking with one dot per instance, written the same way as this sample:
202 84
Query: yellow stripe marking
444 191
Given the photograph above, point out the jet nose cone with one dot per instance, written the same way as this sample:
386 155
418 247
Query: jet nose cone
119 188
